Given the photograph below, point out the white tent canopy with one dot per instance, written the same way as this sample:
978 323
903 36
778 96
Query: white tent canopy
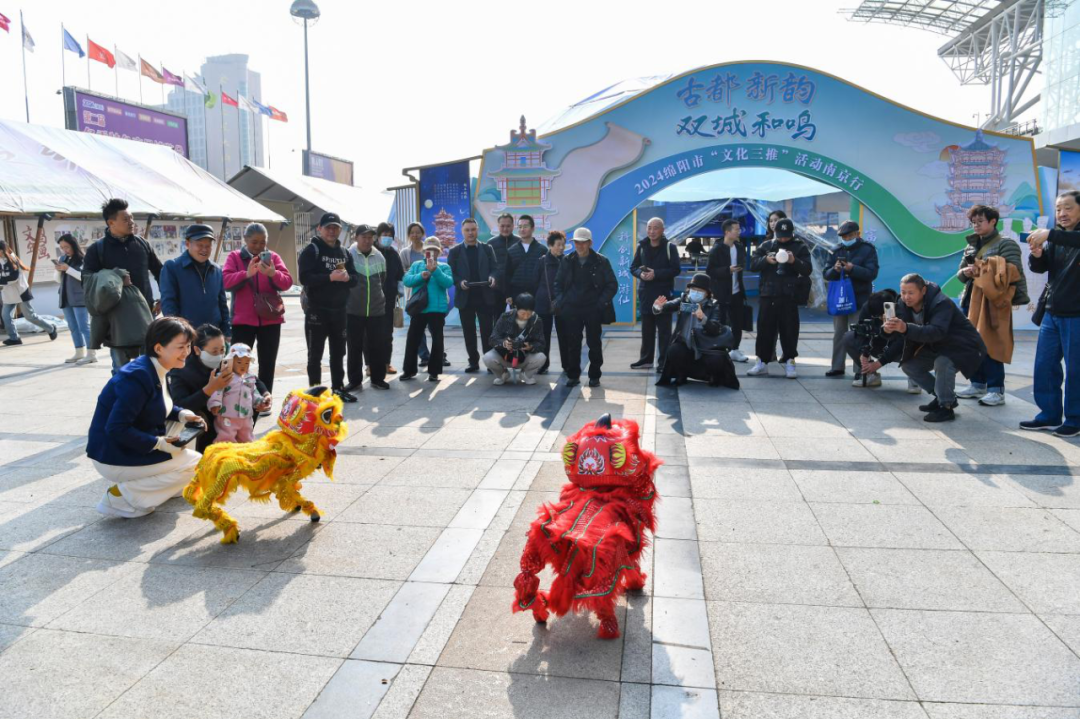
355 205
47 169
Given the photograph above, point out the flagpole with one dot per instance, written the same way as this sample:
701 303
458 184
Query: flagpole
239 140
206 135
26 95
88 85
221 109
267 144
63 65
140 80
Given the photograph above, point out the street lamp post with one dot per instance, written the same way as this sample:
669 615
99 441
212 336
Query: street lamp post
306 10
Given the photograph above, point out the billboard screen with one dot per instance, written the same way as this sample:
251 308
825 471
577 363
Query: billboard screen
326 167
102 115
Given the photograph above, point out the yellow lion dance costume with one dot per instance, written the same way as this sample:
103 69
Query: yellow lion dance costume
310 426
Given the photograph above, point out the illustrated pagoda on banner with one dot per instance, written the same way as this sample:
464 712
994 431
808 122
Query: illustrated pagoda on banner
444 229
976 177
524 181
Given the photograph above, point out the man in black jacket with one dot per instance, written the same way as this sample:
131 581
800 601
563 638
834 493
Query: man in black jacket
122 249
523 260
656 265
472 263
327 273
584 289
727 260
782 262
856 260
938 337
522 327
501 244
392 288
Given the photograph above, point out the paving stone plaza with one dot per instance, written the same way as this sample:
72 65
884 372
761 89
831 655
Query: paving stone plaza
822 553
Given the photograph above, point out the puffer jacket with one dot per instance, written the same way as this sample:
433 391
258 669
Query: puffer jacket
437 284
506 328
781 280
945 329
367 297
119 315
863 257
992 246
71 289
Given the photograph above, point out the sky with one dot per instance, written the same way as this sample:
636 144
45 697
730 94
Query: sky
401 84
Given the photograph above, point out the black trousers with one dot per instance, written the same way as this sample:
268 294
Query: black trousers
731 314
469 317
265 340
714 368
364 338
433 323
322 326
560 330
778 318
383 346
655 329
589 324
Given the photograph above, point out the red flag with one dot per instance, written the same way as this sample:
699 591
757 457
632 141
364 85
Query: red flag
151 72
228 100
5 23
97 52
276 114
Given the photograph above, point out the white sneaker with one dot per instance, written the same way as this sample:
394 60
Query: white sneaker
759 369
913 388
789 369
80 352
872 380
738 356
500 380
528 380
972 391
90 358
992 399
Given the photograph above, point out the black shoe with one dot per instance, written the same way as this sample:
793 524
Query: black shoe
571 382
543 370
931 406
472 369
12 343
1036 425
941 414
345 396
663 381
52 333
381 384
660 369
445 362
594 382
433 378
1067 431
354 387
407 377
835 373
641 364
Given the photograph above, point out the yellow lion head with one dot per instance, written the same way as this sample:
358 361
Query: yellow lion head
315 411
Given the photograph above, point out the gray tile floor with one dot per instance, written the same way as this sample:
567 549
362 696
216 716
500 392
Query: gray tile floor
822 554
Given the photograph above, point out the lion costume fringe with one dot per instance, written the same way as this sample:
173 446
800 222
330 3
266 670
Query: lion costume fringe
309 427
594 535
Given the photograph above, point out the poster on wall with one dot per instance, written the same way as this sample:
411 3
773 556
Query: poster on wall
1068 171
444 201
103 115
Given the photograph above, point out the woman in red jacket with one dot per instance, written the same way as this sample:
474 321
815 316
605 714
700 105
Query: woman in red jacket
256 276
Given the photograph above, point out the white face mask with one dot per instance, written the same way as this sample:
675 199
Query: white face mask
211 361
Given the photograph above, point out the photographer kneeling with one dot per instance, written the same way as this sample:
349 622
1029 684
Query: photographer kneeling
938 337
700 344
868 345
518 335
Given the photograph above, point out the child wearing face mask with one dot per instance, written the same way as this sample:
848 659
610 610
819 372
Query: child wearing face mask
233 406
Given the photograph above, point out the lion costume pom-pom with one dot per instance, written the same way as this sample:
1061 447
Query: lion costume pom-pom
309 428
594 535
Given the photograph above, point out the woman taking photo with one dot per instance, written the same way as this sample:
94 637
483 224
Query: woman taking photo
15 292
69 275
437 278
128 442
256 276
203 374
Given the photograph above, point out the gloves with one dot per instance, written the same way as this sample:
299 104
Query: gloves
163 446
186 415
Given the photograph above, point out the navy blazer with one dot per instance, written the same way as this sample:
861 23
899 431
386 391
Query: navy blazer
129 418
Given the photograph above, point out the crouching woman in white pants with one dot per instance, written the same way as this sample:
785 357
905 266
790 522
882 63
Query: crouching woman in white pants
127 440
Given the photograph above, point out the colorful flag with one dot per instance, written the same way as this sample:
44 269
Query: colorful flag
27 41
210 100
5 23
228 100
246 105
70 43
123 61
276 114
97 52
193 85
171 79
263 109
151 72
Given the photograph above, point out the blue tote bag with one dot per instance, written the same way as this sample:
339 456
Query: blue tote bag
841 299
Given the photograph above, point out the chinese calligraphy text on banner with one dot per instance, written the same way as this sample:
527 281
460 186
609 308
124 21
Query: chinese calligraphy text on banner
619 250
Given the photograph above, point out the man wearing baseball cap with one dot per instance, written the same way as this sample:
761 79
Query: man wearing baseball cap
784 266
192 286
327 273
584 288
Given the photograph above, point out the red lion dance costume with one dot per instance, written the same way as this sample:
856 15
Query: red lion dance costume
594 535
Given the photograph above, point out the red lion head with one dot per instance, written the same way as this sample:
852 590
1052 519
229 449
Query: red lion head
606 454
